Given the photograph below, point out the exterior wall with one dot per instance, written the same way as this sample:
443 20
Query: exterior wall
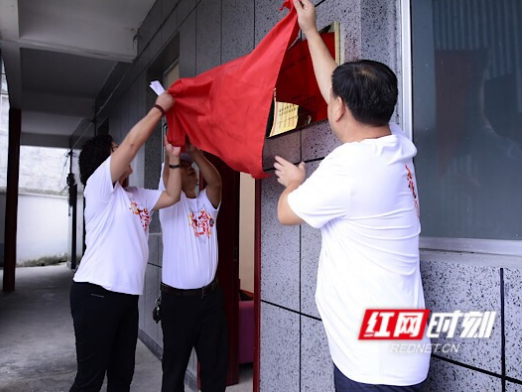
291 329
212 32
474 283
42 228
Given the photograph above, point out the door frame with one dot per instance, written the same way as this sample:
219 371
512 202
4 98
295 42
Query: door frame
257 287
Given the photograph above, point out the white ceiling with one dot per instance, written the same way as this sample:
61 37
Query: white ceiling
59 53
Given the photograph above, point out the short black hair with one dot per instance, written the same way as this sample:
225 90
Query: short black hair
368 88
94 152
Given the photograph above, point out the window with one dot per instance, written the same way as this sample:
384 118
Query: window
467 117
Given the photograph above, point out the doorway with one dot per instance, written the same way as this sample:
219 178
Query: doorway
236 269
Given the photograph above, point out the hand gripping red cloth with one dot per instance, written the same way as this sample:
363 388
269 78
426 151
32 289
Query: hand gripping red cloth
224 111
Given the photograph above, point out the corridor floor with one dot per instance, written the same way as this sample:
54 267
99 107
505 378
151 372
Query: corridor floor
37 351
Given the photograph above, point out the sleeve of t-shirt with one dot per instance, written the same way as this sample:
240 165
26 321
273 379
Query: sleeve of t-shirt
99 185
148 197
324 196
161 185
210 208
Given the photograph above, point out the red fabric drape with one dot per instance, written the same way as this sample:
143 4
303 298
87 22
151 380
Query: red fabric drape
224 111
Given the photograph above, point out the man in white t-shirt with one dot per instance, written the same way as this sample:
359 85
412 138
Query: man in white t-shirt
192 314
363 199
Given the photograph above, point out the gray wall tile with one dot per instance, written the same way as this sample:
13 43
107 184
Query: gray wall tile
380 31
153 158
450 286
155 45
141 62
208 35
152 287
154 249
267 15
446 377
318 141
150 26
310 250
316 363
238 35
279 252
168 5
170 27
187 58
286 146
381 35
115 122
133 99
141 83
279 350
513 321
348 14
512 387
185 8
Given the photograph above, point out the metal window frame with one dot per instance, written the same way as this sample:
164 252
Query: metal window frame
443 244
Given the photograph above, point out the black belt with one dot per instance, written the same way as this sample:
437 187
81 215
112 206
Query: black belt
204 291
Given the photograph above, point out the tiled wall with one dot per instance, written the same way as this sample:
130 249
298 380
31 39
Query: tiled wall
291 330
472 286
294 351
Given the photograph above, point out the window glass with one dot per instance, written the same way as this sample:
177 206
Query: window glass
467 117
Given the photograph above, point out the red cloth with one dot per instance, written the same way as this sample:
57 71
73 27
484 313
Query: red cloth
296 82
224 111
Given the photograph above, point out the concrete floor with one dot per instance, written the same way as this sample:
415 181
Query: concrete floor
37 352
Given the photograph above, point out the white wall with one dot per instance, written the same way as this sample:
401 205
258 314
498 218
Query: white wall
42 227
246 231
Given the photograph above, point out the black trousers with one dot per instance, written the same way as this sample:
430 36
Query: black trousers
345 384
106 331
197 322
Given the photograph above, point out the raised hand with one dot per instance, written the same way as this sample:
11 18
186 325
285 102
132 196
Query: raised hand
189 147
306 15
165 100
289 174
170 150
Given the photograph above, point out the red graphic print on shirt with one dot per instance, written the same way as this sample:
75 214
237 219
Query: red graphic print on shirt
202 223
411 185
143 214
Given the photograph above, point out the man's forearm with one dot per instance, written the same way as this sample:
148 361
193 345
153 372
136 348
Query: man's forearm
207 169
165 173
173 184
285 214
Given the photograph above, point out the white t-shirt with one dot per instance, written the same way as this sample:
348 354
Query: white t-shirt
363 198
190 247
117 230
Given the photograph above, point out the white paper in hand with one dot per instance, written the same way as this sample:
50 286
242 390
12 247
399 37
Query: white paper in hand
157 87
